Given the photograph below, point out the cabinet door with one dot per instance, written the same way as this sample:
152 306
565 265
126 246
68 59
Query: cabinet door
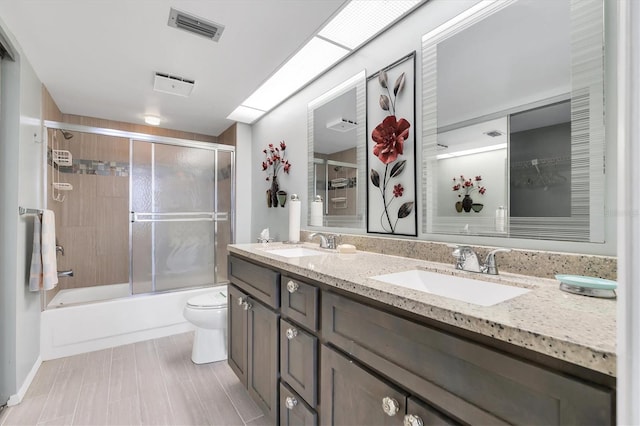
237 333
263 358
352 396
298 360
420 413
294 411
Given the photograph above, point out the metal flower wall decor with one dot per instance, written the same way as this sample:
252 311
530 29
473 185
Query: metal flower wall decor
391 169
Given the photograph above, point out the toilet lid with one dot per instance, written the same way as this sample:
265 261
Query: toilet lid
216 299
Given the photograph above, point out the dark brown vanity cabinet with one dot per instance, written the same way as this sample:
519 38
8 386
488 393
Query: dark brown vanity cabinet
294 411
298 352
253 329
311 356
237 328
299 361
353 396
299 302
468 381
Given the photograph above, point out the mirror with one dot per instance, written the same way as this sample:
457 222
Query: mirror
513 122
336 129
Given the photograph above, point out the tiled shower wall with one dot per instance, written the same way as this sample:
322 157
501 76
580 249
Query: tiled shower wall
92 223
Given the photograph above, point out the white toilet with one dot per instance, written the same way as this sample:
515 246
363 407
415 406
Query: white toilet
208 312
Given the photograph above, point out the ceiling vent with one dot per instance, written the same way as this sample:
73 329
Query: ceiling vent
493 133
172 84
195 25
341 125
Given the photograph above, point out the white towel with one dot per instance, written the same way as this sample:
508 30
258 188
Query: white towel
44 268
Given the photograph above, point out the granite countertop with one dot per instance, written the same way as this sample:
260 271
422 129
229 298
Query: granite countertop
577 329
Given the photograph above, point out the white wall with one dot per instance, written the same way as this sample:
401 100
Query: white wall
22 185
628 352
289 122
244 171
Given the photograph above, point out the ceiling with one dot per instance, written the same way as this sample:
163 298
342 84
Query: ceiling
98 58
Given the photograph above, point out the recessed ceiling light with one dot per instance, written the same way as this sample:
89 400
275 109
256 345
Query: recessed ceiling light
472 151
362 19
152 120
245 114
310 61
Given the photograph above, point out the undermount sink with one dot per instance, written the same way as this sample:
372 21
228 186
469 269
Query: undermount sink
295 252
468 290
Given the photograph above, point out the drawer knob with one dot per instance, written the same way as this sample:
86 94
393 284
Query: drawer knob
291 333
390 406
290 402
413 420
240 300
246 306
292 287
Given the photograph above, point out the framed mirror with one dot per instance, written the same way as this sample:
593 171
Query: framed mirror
513 122
336 131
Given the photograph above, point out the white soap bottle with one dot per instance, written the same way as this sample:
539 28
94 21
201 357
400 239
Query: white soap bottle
500 219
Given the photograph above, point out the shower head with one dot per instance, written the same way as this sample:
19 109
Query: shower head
65 134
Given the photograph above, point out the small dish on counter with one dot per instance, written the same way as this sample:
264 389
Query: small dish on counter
587 286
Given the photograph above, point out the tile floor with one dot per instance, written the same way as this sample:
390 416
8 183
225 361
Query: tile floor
145 383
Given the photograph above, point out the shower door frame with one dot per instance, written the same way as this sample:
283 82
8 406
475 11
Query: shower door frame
166 140
155 217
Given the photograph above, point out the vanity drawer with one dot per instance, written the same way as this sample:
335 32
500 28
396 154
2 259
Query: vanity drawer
466 380
299 301
299 360
260 282
293 410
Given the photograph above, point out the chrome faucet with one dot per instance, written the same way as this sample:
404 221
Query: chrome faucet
490 265
59 249
467 260
326 241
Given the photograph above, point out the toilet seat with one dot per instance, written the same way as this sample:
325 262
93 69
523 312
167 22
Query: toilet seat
213 300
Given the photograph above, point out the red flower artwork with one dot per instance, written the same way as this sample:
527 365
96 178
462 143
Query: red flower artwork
398 190
275 159
389 137
468 185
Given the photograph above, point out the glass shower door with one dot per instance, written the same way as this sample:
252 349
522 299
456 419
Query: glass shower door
177 227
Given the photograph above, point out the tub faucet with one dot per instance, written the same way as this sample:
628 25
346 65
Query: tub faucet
467 260
67 273
326 241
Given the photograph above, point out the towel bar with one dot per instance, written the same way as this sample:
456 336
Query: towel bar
23 210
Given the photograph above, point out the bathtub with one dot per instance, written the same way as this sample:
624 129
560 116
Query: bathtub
81 320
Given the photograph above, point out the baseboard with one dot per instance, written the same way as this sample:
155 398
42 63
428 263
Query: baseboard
17 398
